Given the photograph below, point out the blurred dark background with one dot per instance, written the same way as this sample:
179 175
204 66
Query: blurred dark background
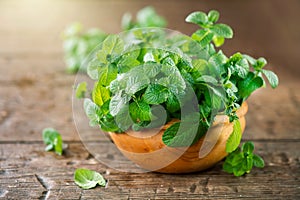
268 28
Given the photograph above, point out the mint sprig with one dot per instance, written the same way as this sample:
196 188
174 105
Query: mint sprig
242 160
53 140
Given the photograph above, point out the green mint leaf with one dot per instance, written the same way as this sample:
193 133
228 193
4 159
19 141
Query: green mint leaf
152 69
248 147
81 90
127 63
258 161
112 45
126 22
140 111
260 63
248 163
123 119
108 74
136 81
213 16
182 134
147 17
249 85
250 59
272 78
53 140
58 145
207 79
203 37
156 94
92 111
93 69
117 102
222 30
172 103
218 40
100 94
199 18
235 137
108 124
88 179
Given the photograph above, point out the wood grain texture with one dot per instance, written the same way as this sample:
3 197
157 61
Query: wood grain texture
35 92
26 166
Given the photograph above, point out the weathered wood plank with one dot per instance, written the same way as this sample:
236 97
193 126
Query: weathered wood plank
26 166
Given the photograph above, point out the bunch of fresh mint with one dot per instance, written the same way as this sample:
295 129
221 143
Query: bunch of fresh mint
135 85
78 43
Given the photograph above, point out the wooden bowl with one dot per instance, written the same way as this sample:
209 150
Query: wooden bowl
147 150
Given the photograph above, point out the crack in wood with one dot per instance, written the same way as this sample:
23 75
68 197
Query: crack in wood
45 194
3 193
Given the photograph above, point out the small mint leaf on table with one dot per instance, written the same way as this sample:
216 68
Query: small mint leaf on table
258 161
87 179
53 140
242 160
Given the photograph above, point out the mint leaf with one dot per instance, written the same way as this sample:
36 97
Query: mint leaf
172 103
156 94
222 30
213 16
203 37
93 69
100 94
118 102
258 161
140 111
235 137
92 111
272 77
112 45
199 18
81 90
182 134
218 40
260 63
151 69
248 147
88 179
108 74
147 17
53 140
249 85
123 119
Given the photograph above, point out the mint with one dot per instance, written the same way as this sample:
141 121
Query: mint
272 77
81 90
140 86
87 179
156 94
198 17
235 137
242 160
53 140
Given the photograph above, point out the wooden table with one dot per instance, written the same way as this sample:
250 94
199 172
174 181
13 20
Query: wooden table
35 92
